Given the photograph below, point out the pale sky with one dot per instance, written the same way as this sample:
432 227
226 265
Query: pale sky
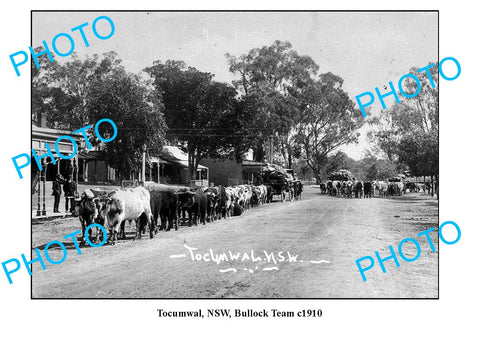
366 49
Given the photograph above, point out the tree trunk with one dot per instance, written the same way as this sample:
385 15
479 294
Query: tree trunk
189 170
316 173
289 158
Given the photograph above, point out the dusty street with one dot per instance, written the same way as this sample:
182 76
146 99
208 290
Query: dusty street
326 234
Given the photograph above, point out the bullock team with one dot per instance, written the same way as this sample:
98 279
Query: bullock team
185 206
359 189
348 189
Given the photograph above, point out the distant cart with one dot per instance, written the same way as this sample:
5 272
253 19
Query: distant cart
341 175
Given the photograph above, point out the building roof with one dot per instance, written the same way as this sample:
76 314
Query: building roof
174 155
41 136
48 132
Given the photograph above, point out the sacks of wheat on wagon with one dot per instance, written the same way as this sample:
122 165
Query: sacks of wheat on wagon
275 174
341 175
279 179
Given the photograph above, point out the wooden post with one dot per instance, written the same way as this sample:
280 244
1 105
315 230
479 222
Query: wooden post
85 170
39 213
44 178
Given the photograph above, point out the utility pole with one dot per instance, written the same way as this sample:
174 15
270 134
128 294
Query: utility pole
144 149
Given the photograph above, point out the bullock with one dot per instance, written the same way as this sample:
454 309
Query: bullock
164 204
259 195
382 188
323 188
224 202
231 199
212 204
247 196
395 188
412 187
338 188
237 195
195 204
367 189
127 204
358 189
269 194
298 189
263 194
347 189
244 195
87 211
392 189
256 196
331 188
237 209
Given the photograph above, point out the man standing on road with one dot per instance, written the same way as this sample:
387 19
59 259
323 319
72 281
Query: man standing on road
69 188
57 192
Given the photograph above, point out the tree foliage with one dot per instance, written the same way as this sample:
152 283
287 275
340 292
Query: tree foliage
199 112
271 79
137 113
407 132
369 168
328 119
81 92
61 90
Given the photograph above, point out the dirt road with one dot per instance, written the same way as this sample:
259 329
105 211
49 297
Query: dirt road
301 249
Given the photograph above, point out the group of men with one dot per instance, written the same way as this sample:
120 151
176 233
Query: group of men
69 188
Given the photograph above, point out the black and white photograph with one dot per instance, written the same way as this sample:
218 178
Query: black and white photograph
235 154
214 170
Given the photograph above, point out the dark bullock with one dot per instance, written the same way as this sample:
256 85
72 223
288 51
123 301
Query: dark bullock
323 188
269 193
213 203
358 189
87 209
164 203
195 204
298 186
367 189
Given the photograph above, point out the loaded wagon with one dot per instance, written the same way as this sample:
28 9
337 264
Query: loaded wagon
337 182
396 185
279 180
